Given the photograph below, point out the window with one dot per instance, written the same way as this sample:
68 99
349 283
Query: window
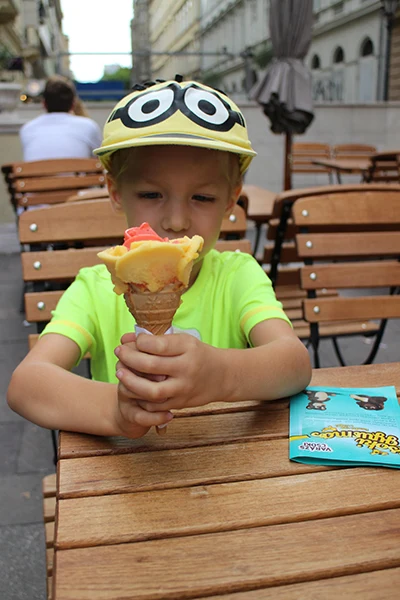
338 55
315 62
367 47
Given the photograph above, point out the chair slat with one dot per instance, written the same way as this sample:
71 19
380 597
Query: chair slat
351 275
49 485
37 312
234 246
350 208
71 182
57 265
348 244
43 168
343 308
289 253
86 220
52 197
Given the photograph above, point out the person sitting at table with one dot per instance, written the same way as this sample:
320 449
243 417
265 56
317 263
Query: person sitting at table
175 153
59 132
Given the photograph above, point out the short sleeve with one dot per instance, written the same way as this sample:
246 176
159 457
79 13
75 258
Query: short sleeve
253 296
72 316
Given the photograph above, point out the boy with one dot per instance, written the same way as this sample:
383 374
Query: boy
175 154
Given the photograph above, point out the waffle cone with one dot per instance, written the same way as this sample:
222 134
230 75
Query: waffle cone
153 311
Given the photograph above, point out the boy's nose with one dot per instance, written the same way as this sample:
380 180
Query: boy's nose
176 217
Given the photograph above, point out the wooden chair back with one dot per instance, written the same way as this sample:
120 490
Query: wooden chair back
281 249
51 181
303 154
89 194
352 150
384 167
358 250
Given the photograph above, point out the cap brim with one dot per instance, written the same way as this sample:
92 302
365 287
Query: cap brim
178 139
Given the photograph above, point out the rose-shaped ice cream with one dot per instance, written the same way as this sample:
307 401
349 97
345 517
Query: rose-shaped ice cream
150 263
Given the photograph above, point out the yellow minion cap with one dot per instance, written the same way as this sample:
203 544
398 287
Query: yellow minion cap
184 113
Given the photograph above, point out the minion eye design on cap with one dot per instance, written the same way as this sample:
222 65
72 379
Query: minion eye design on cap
147 109
208 109
203 107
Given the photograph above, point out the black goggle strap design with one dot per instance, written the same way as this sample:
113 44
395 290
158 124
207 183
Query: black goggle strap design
203 107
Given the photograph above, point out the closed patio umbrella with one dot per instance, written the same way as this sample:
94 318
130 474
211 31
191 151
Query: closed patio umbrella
285 91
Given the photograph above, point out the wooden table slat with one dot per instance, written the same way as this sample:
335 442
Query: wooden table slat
178 468
187 432
223 507
207 564
368 586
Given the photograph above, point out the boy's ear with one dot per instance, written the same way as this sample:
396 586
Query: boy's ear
114 194
235 195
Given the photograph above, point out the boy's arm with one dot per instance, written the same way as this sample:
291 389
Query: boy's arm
43 390
277 366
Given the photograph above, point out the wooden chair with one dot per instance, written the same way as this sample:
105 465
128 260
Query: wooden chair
50 181
384 167
283 262
352 150
303 154
349 240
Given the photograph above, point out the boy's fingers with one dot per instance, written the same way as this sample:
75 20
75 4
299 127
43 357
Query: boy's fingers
119 366
163 345
152 406
144 363
128 337
141 388
148 419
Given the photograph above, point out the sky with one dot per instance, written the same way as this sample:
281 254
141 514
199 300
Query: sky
97 27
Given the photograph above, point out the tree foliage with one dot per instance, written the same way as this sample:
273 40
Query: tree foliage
122 74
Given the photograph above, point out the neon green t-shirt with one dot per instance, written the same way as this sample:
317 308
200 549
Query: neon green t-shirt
230 296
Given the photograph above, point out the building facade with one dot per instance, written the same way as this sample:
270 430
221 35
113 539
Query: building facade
31 33
347 55
226 43
174 38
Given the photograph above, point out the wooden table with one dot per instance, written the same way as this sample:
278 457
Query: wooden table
215 509
259 207
349 166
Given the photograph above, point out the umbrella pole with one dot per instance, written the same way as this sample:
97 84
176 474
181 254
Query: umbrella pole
287 178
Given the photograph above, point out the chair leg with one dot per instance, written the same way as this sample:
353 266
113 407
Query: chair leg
338 352
374 350
55 444
316 357
257 240
314 339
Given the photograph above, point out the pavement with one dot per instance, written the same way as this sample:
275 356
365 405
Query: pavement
26 451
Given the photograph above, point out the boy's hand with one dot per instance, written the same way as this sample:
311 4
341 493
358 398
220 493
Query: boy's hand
134 421
194 373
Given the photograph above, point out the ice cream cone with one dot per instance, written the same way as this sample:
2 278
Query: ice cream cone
152 273
154 311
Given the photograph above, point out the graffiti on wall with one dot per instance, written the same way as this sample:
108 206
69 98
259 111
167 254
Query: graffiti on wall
328 87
